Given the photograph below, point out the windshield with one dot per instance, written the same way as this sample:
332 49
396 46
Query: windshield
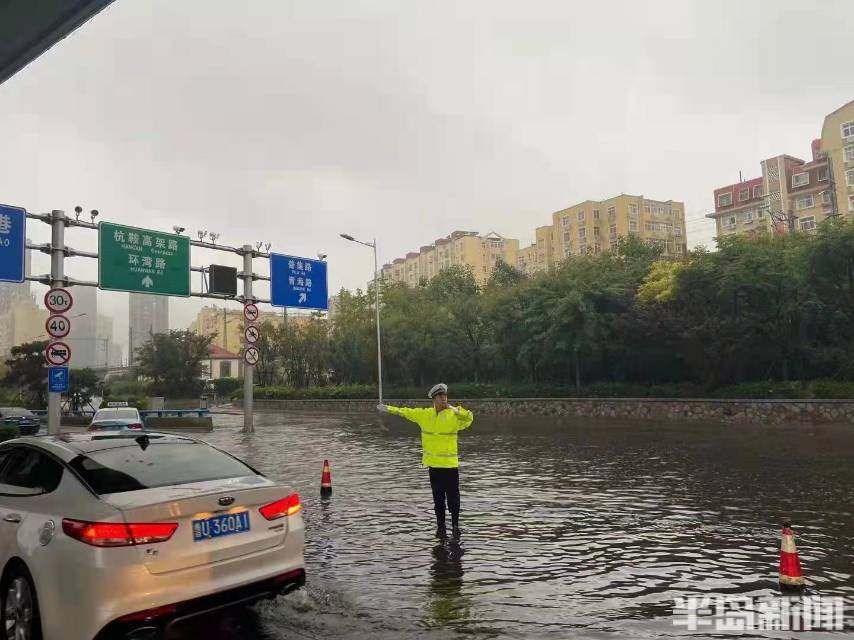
158 465
116 414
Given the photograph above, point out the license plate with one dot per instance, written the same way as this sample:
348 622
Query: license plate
226 524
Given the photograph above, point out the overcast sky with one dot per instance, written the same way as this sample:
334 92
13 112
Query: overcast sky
294 121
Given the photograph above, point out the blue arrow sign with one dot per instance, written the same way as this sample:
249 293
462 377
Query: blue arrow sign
57 379
298 282
13 242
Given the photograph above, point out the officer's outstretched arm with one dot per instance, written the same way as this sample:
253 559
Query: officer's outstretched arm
464 418
413 415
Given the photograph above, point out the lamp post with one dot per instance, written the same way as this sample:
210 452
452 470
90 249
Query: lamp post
373 245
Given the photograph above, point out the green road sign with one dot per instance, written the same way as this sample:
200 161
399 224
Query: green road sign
134 259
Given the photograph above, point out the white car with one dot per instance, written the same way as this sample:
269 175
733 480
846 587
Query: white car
116 419
122 534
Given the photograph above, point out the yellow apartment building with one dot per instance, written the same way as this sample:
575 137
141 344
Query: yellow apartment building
594 226
837 143
28 320
463 248
226 325
540 255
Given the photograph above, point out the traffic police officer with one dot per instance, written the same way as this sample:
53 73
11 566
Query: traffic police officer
439 427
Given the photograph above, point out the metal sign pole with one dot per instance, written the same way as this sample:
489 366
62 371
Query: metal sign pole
248 369
379 342
57 279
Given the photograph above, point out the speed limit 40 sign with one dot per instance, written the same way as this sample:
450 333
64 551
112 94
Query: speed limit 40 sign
58 300
57 326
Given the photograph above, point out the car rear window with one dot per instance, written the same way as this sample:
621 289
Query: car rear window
116 414
158 465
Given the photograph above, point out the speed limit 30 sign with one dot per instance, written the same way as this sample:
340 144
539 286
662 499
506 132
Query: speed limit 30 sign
58 300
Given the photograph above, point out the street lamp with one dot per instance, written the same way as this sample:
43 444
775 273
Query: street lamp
373 245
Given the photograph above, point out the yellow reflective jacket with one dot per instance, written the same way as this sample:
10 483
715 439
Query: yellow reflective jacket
438 433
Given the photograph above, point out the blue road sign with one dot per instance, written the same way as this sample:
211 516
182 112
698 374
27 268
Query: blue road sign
57 379
298 282
13 243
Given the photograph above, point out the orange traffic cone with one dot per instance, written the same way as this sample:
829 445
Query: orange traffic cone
791 577
326 481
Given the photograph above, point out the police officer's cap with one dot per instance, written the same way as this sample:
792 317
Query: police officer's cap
437 389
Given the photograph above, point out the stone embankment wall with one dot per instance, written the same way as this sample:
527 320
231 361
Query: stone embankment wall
700 410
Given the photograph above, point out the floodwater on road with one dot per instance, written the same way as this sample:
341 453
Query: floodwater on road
572 528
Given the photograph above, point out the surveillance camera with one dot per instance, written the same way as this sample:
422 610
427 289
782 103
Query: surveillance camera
322 256
78 209
93 213
178 229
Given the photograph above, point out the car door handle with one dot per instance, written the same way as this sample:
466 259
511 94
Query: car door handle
12 517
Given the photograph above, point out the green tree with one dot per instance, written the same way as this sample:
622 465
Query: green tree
459 322
173 363
352 339
27 372
82 385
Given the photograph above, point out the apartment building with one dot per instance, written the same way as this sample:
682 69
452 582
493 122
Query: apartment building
540 255
226 325
594 226
463 248
837 143
792 194
147 315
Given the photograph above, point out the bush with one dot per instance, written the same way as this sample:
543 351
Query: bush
762 390
752 390
10 398
125 387
226 386
835 389
7 433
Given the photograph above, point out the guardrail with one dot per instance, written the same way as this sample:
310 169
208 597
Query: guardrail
144 413
173 413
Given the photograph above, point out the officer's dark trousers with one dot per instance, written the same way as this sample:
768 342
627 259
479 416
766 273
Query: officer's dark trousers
446 489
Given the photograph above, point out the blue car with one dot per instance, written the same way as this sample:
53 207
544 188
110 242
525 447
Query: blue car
27 422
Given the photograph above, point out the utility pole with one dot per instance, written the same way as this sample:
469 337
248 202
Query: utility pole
248 369
57 279
379 342
373 245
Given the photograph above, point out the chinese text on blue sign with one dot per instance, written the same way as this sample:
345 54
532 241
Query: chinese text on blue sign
12 243
57 380
298 282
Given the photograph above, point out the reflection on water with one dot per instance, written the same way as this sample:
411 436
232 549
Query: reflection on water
447 603
572 528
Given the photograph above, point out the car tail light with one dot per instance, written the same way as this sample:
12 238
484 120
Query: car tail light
281 508
135 426
118 534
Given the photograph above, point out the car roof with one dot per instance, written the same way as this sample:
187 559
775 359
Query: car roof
68 446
